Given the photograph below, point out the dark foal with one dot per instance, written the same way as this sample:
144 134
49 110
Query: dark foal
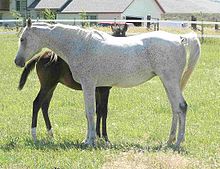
51 70
119 30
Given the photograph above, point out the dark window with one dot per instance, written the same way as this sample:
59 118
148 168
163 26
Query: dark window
18 5
92 17
4 5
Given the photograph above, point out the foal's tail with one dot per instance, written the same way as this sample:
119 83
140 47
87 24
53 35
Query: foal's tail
27 69
191 40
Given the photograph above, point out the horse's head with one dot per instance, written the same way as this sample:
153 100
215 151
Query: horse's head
29 45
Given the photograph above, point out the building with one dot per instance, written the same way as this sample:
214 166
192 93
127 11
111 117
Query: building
100 9
4 9
113 9
208 10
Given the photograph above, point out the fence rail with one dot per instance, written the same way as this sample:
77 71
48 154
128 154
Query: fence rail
115 20
155 22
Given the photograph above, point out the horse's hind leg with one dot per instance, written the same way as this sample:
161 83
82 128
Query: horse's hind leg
36 107
173 129
179 107
45 107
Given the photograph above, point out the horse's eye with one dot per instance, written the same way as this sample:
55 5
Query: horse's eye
22 40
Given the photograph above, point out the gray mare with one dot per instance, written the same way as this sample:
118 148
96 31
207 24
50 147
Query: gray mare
98 59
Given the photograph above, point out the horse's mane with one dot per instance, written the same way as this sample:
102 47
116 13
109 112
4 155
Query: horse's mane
88 34
85 33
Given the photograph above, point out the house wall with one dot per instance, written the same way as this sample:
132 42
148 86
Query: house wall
99 16
23 4
5 15
142 8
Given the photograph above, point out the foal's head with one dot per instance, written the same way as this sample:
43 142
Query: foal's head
29 45
119 30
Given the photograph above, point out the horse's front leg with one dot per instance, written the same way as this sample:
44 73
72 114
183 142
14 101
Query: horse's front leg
89 99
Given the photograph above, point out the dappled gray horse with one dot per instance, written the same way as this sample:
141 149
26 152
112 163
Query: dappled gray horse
98 59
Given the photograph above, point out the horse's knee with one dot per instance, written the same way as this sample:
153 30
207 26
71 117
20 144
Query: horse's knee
183 107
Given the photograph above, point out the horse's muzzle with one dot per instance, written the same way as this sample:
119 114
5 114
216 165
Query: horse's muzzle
20 62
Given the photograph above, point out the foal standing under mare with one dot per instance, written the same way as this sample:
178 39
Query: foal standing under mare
98 59
51 70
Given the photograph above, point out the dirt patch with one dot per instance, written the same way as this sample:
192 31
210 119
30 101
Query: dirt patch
133 160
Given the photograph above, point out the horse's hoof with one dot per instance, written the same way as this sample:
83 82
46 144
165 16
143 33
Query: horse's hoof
34 134
171 140
50 132
90 142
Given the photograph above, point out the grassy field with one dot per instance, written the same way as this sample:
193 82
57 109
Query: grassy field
138 122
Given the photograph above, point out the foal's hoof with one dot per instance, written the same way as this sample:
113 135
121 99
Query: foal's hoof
50 132
107 141
34 134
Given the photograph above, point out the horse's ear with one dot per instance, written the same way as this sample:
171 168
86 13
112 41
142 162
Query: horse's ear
29 23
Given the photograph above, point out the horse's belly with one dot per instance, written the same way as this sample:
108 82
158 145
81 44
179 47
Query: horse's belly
131 81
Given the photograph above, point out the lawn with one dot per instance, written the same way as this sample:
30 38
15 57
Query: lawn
139 121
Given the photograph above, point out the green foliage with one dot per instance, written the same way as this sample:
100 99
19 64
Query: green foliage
139 120
16 14
83 16
49 14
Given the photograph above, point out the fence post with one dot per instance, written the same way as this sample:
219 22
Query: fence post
23 21
148 23
158 24
216 25
202 32
193 25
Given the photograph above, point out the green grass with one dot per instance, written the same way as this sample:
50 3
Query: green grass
139 120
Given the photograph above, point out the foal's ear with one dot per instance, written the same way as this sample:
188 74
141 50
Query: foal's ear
29 23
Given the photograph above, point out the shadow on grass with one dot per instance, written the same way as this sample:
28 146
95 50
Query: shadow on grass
47 144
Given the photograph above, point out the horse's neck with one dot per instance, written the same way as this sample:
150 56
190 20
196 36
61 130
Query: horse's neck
57 40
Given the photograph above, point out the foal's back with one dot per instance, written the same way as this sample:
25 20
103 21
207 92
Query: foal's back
51 70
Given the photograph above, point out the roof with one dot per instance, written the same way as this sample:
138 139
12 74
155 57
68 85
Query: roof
97 6
190 6
51 4
34 4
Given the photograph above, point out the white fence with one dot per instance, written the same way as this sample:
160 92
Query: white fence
144 23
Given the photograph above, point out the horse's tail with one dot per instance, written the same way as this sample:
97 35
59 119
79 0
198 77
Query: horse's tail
192 42
27 69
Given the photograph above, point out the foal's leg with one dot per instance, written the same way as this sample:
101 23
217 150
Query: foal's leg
179 107
89 99
104 94
45 107
36 106
98 112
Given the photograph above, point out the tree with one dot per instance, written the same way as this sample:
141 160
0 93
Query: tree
83 16
49 14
